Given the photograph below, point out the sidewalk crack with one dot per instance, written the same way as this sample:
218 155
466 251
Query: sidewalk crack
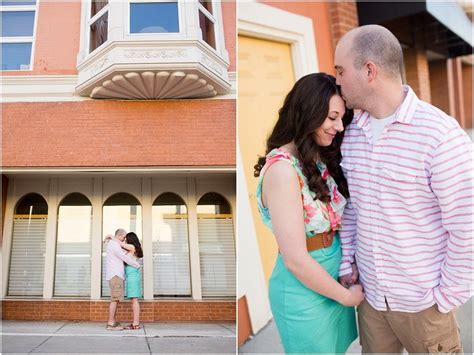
146 339
223 326
49 337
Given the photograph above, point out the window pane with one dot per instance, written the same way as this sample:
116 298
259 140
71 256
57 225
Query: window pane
171 270
99 32
207 30
97 5
28 247
17 3
16 56
73 251
216 246
17 23
154 17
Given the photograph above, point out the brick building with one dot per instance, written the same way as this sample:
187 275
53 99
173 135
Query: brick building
118 114
279 42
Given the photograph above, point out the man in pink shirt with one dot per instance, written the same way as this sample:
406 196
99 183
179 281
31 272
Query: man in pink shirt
115 274
407 228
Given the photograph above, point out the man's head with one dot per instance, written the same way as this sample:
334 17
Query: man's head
120 234
367 57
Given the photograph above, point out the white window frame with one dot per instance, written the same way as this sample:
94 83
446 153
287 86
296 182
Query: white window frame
267 22
211 18
29 39
181 23
91 20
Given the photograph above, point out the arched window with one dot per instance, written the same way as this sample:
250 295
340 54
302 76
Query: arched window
28 247
171 273
216 246
73 247
121 210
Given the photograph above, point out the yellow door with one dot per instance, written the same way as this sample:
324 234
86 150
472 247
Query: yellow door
265 75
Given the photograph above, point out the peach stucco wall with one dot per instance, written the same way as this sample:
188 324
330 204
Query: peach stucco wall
229 18
319 13
57 39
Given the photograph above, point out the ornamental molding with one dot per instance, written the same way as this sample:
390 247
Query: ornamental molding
149 85
208 63
156 54
124 70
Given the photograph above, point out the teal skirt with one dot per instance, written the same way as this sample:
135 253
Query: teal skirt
134 282
307 321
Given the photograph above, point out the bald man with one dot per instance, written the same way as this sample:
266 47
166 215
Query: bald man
407 229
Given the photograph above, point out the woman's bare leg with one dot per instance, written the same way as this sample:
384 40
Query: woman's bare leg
136 311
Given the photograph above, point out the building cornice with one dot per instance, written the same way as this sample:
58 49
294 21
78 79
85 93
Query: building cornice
51 88
132 170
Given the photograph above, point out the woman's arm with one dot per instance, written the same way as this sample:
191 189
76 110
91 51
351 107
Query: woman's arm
281 193
128 247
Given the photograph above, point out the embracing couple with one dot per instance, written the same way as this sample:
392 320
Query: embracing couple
373 211
124 253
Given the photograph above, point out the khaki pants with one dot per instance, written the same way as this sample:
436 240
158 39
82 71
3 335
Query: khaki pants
428 331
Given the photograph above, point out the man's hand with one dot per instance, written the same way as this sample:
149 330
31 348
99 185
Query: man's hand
350 279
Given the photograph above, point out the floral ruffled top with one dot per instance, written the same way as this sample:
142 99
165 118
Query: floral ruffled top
318 216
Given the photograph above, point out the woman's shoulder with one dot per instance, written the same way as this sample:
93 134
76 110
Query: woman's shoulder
281 169
279 154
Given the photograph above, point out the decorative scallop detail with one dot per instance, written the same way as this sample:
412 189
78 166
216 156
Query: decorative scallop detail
150 85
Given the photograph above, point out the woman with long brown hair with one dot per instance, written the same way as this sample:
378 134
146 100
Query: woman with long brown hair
133 277
301 196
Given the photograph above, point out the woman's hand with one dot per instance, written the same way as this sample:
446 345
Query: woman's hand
354 296
350 279
108 237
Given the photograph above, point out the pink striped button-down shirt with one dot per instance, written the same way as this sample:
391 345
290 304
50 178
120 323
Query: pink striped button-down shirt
114 260
409 221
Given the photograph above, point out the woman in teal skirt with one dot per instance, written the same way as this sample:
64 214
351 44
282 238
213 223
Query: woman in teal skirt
301 195
133 277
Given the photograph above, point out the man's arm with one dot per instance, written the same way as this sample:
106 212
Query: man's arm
115 248
348 271
452 183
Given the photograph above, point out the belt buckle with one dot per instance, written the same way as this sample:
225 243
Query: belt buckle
327 239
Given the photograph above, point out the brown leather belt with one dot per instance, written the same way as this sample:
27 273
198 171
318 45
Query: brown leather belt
320 241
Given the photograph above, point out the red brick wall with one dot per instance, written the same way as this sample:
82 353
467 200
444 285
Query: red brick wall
229 18
343 17
98 310
119 133
417 72
439 84
467 92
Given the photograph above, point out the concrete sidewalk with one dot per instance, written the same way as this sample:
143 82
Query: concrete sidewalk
64 337
268 340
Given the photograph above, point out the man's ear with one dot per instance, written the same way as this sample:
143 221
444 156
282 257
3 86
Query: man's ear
371 71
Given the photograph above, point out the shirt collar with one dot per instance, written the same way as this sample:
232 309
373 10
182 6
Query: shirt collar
408 107
403 114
